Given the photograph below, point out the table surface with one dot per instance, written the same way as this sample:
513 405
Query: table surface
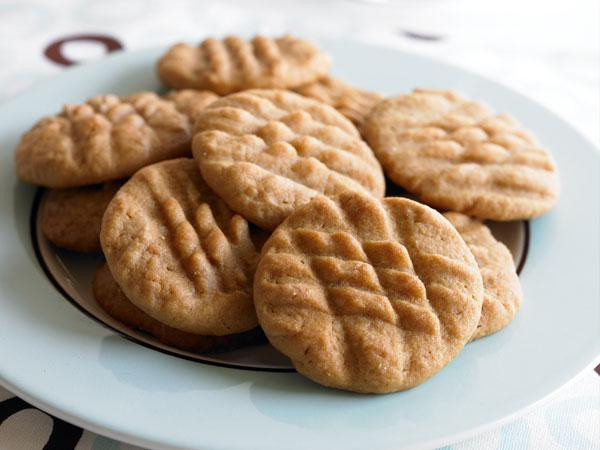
549 50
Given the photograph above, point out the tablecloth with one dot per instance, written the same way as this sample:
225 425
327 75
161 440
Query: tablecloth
548 49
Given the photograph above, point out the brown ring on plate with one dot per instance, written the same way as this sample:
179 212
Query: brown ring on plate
525 247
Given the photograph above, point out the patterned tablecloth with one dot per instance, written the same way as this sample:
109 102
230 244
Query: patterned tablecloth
548 49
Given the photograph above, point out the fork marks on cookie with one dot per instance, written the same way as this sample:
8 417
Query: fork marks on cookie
233 64
456 154
179 253
366 294
288 148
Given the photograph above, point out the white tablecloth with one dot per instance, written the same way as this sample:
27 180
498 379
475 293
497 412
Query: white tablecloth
548 49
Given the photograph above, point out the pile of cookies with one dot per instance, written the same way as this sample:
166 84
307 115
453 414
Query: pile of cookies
250 199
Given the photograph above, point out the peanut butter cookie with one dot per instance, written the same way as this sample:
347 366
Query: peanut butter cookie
365 294
267 152
456 154
110 297
191 102
71 218
354 103
234 64
502 293
104 139
179 253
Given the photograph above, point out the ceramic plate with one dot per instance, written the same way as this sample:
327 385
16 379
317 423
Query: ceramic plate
62 354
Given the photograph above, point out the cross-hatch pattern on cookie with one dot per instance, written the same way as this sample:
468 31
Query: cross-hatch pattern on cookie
105 139
279 150
457 154
366 294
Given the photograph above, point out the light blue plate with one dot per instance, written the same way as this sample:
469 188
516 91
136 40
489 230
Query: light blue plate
65 363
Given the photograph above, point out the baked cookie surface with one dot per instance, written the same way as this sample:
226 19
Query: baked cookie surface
267 152
111 298
234 64
71 218
367 295
179 253
191 102
502 294
354 103
104 139
456 154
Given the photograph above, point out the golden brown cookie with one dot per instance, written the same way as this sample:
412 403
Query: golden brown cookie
71 218
456 154
104 139
267 152
365 294
234 64
352 102
191 101
111 298
179 253
502 293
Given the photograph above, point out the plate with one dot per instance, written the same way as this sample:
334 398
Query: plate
72 366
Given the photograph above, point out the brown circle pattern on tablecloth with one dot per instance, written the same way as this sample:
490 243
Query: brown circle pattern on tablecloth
54 51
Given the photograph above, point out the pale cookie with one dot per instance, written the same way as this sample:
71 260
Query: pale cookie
190 101
179 253
352 102
111 298
104 139
456 154
367 295
234 64
502 293
267 152
71 218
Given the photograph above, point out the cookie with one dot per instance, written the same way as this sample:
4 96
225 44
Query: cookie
191 101
104 139
234 64
179 253
110 297
71 218
456 154
368 295
354 103
267 152
502 293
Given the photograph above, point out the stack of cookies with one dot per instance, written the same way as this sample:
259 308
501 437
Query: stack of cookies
251 199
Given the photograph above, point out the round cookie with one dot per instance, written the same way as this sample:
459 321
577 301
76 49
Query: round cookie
71 218
502 293
179 253
110 297
367 295
354 103
456 154
267 152
234 64
104 139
